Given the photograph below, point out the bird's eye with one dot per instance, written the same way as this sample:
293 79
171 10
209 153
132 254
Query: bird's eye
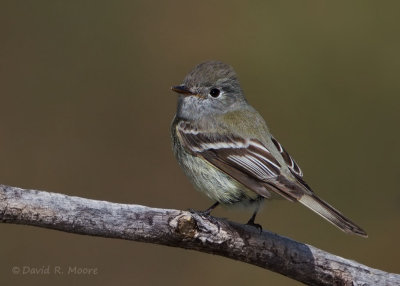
214 92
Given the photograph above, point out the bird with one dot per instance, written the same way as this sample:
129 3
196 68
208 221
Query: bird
226 149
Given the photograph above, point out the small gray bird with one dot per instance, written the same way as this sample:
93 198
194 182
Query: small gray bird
225 148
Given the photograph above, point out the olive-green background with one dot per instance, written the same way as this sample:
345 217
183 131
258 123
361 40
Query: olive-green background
86 107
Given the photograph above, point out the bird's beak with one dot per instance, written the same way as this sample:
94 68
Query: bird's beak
182 89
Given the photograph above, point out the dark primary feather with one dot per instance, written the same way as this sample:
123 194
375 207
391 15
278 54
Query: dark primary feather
288 159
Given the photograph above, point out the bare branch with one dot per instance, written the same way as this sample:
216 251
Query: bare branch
183 229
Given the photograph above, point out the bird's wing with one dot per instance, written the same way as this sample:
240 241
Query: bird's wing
246 160
253 165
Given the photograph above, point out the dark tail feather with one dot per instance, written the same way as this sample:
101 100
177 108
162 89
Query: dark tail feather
331 214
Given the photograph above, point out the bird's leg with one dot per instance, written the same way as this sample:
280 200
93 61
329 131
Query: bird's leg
252 223
207 211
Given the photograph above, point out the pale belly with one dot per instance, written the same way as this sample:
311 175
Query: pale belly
216 184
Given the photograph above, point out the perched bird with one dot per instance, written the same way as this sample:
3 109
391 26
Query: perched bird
225 148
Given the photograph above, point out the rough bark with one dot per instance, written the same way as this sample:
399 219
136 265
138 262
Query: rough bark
177 228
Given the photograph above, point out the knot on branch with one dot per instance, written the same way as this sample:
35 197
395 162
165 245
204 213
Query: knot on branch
187 226
207 229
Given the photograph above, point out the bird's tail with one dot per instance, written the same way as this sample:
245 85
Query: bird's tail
331 214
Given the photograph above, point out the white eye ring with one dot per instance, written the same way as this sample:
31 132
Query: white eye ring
215 92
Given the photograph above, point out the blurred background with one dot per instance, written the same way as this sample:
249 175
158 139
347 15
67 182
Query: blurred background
86 108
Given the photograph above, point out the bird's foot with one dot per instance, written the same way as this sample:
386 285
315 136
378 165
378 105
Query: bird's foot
206 212
256 225
201 213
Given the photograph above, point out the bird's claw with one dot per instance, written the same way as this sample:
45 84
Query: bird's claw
256 225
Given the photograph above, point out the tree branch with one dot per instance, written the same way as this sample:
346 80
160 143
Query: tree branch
183 229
